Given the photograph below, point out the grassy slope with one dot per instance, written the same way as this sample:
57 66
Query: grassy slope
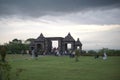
65 68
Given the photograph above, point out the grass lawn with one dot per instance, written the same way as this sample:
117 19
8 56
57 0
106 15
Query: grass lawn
64 68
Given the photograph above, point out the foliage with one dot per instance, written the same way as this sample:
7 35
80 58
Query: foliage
3 53
109 52
4 71
4 66
92 52
29 40
18 72
16 47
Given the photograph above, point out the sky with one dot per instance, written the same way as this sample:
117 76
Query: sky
95 22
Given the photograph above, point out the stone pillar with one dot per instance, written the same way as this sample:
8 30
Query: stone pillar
59 45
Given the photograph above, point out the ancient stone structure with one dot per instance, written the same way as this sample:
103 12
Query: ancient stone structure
44 44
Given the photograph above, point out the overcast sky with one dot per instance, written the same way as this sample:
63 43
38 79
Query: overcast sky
95 22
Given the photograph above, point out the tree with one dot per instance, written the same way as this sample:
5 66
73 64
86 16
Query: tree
16 47
28 41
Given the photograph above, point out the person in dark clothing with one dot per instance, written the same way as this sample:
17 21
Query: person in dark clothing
96 56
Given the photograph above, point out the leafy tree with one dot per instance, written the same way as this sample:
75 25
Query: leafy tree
28 41
16 47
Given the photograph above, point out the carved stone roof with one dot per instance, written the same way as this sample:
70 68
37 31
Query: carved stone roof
40 38
68 38
78 43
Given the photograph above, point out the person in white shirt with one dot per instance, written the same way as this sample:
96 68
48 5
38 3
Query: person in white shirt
104 56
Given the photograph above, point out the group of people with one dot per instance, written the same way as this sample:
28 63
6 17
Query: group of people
56 52
72 54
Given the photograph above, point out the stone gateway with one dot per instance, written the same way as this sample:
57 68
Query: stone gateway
43 45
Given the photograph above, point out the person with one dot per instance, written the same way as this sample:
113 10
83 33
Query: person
33 53
96 56
57 52
65 52
36 54
72 55
104 56
44 53
27 51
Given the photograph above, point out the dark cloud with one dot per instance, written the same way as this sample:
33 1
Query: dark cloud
36 8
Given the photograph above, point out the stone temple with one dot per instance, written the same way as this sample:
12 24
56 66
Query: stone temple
44 44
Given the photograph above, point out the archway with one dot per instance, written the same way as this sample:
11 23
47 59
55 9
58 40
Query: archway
39 49
68 47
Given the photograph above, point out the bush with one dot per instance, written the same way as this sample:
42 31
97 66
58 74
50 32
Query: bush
4 66
109 52
4 71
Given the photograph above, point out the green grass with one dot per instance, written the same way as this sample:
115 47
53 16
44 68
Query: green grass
64 68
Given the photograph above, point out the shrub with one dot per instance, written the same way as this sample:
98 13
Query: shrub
4 71
4 66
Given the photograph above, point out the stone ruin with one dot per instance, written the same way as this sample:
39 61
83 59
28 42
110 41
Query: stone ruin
43 45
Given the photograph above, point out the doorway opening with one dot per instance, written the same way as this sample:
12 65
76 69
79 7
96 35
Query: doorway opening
55 44
68 46
39 48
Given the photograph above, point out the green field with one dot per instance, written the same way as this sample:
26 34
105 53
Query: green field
64 68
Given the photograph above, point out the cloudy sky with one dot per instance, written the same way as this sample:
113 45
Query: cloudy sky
95 22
